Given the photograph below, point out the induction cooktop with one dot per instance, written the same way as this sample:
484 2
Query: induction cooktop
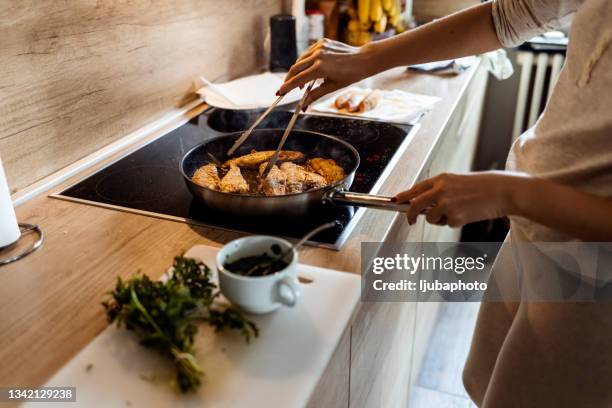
148 181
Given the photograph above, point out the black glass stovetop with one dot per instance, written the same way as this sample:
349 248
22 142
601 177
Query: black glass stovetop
148 181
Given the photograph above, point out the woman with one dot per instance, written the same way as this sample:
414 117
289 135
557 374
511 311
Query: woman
557 187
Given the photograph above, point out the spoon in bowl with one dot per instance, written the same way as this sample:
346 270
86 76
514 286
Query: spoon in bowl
295 246
307 237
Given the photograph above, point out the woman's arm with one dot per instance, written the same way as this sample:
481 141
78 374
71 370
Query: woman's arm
582 215
472 31
516 21
467 32
458 199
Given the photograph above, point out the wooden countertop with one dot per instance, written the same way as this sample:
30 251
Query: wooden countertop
50 301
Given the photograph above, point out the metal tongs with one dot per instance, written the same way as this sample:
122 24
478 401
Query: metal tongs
243 137
274 158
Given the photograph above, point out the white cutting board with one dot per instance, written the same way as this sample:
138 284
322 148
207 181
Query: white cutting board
279 368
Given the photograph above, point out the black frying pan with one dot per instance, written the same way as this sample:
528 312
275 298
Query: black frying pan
312 144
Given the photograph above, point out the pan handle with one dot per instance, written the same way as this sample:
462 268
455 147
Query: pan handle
365 200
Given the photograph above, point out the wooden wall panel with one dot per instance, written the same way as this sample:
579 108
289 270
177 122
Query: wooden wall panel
77 75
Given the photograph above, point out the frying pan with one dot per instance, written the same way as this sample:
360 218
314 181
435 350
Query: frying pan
312 144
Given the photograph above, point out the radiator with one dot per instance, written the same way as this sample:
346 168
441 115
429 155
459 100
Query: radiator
539 73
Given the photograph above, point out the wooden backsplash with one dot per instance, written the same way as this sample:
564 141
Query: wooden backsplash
79 74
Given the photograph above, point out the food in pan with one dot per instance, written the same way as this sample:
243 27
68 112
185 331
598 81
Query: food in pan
357 101
328 168
233 182
275 182
299 179
241 176
313 180
255 158
207 176
295 177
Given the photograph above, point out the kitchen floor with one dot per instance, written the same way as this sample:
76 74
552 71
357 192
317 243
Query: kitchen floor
439 383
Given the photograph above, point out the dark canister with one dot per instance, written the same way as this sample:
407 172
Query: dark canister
283 46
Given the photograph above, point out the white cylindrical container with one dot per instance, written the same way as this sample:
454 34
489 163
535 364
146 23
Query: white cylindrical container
316 26
298 9
9 230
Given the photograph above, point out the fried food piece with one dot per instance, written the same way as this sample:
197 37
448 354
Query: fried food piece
207 176
328 168
369 102
295 177
354 101
349 101
255 158
313 180
233 182
299 179
341 101
275 182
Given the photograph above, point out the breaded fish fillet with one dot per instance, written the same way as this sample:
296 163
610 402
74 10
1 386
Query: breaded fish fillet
256 158
313 180
207 176
233 182
295 177
328 168
275 182
299 179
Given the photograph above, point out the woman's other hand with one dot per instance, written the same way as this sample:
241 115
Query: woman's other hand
458 199
338 64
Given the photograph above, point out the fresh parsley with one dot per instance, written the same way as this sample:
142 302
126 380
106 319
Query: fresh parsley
164 314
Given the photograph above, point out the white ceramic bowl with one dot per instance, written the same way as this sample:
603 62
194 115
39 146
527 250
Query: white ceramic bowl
258 294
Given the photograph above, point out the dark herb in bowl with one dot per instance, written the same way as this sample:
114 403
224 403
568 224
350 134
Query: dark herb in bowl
259 265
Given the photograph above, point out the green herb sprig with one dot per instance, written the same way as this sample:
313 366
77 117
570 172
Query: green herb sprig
164 315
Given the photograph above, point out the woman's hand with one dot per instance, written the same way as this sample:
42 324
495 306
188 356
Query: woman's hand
464 33
338 64
458 199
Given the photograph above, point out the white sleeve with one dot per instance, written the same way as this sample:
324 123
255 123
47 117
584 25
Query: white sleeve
518 20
